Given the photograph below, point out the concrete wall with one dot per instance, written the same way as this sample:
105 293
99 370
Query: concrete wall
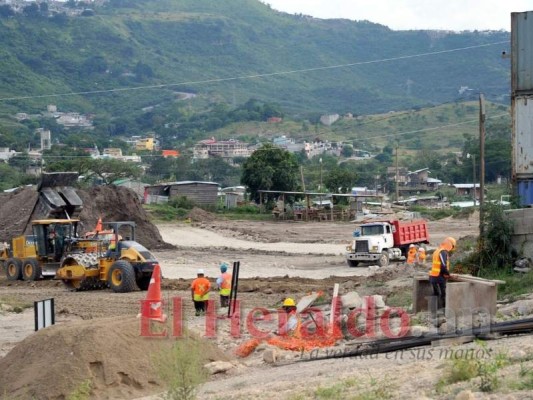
522 238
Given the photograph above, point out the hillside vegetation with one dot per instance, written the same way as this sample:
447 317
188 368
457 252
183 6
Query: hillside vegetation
201 45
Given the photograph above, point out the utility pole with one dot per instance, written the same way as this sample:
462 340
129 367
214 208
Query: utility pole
397 176
481 160
474 178
302 176
481 173
320 188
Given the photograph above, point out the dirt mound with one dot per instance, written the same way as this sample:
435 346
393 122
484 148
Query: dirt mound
110 353
199 215
115 203
111 203
15 210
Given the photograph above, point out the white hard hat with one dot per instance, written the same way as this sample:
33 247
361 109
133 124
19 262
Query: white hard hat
200 272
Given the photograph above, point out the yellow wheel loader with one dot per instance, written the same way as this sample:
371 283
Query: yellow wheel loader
30 257
119 262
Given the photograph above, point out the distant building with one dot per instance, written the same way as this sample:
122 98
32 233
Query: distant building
6 154
46 138
147 144
225 149
113 152
467 189
201 193
170 153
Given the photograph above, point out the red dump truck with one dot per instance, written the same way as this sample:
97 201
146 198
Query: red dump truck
383 241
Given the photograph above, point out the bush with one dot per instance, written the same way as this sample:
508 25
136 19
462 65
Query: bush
182 202
181 369
246 209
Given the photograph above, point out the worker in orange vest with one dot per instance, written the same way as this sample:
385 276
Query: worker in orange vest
411 254
224 285
421 255
440 270
200 288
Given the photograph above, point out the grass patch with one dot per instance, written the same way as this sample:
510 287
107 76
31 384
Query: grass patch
402 298
466 369
82 392
515 284
14 304
166 212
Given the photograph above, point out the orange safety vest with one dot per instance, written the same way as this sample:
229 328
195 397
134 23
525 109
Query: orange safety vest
436 264
201 287
225 287
411 255
421 255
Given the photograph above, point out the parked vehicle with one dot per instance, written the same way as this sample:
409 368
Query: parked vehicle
384 241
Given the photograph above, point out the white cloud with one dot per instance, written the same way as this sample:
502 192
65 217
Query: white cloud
413 14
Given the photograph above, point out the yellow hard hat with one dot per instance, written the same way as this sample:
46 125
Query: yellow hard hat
288 302
452 241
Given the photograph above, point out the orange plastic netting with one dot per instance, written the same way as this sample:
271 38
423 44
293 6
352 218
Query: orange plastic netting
292 343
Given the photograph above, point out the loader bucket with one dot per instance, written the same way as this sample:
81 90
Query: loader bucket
57 197
57 179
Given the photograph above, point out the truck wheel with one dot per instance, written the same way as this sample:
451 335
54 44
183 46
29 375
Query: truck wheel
384 259
13 269
352 263
121 277
31 270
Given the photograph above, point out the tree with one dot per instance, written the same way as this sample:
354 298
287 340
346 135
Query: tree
106 170
340 180
347 151
6 11
31 11
270 168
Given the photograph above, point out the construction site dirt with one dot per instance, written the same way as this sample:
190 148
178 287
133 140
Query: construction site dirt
277 259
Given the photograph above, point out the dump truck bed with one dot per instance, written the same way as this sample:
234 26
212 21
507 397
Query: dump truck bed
407 232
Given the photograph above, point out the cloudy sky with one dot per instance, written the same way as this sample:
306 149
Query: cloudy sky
413 14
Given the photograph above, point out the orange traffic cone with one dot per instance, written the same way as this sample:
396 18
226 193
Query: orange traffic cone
152 306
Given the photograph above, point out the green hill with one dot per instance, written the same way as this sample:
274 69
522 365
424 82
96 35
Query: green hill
211 48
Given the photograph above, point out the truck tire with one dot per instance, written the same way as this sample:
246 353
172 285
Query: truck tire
31 270
352 263
121 277
13 269
384 259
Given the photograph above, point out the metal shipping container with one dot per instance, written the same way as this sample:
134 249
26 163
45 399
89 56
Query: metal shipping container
521 51
523 137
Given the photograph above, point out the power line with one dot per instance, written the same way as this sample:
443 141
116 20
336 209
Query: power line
252 76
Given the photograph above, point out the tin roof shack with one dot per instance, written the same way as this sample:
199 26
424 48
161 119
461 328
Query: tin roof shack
467 189
200 193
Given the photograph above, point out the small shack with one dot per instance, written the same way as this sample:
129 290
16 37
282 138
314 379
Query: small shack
201 193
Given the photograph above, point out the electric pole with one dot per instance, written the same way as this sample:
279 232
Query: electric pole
397 176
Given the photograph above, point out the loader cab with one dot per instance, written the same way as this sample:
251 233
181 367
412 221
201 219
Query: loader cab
53 237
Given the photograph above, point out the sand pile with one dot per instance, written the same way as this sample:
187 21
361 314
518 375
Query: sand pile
199 215
110 353
111 203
